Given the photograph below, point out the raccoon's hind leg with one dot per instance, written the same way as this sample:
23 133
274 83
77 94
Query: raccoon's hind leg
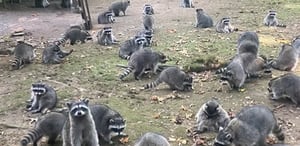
277 131
138 72
52 138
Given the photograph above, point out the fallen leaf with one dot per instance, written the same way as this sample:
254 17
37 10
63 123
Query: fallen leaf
156 116
124 140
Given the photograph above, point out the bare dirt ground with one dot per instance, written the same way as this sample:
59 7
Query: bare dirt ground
90 71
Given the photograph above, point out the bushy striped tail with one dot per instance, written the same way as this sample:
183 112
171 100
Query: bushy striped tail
153 84
31 137
18 63
127 71
221 70
281 25
127 57
60 41
277 131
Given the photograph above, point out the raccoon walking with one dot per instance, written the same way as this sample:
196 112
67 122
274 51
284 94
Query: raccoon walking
203 20
271 20
175 78
109 123
49 125
43 97
287 59
250 127
285 86
75 34
130 46
118 6
152 139
79 128
52 54
141 60
106 18
23 54
105 37
211 116
224 26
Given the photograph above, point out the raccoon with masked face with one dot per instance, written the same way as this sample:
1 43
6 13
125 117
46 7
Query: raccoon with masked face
130 46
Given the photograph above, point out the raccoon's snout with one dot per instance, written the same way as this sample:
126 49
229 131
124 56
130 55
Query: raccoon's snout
89 37
79 113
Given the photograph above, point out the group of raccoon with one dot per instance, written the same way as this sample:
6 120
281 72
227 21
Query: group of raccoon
24 53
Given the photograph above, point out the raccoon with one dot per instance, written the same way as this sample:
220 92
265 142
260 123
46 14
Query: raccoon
106 18
248 42
148 9
118 6
105 37
187 3
152 139
271 20
287 59
79 128
175 78
235 73
202 19
130 46
141 60
109 123
75 34
148 22
147 34
52 54
24 54
259 68
224 26
211 116
43 97
296 43
49 125
251 126
285 86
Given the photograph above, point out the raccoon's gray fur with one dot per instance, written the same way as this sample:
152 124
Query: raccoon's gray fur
175 78
148 22
52 54
130 46
105 37
141 60
23 54
287 59
109 123
235 73
224 26
49 125
248 42
106 18
250 127
271 20
211 116
152 139
285 86
118 6
187 3
296 43
203 20
147 34
43 97
258 68
80 128
76 34
148 9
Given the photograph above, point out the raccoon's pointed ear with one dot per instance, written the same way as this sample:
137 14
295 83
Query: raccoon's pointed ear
111 121
221 129
86 101
124 120
68 104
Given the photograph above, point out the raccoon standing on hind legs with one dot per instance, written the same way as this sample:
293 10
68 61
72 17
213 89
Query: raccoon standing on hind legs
250 127
175 78
23 54
79 129
148 22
